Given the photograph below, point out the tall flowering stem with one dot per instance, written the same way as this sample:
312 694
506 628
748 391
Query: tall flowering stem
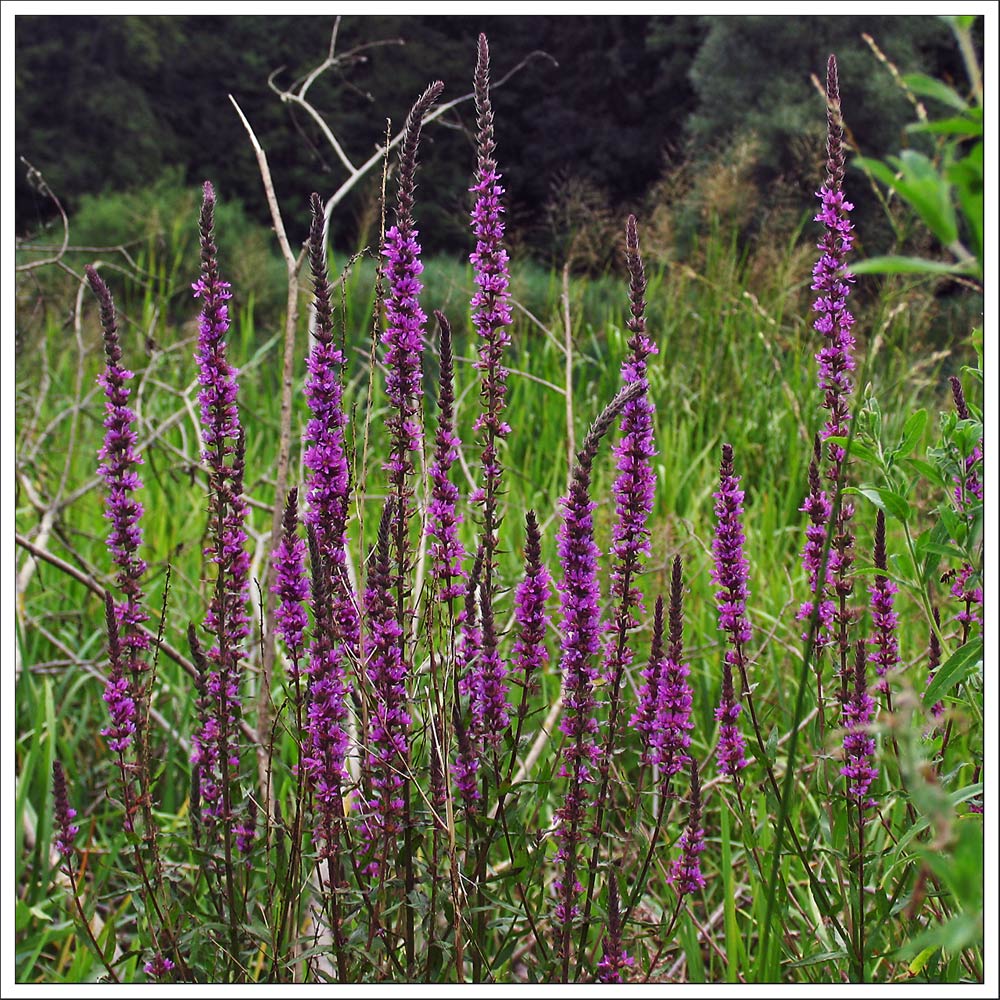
580 595
126 689
664 715
530 654
65 843
404 342
491 317
685 871
215 753
934 661
885 621
730 574
634 492
860 772
388 719
614 958
291 587
815 558
328 480
832 280
447 552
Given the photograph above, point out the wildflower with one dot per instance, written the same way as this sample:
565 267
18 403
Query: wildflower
158 967
832 279
968 486
118 690
820 510
326 741
934 661
614 958
730 573
885 621
291 585
65 829
968 588
467 656
685 872
388 719
581 631
529 653
215 753
859 745
403 337
446 551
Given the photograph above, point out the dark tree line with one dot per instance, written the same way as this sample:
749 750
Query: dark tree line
108 102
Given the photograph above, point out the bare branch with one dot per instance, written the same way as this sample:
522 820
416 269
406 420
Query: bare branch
37 181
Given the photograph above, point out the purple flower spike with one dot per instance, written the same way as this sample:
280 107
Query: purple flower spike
491 303
65 829
968 487
159 967
885 621
635 486
685 872
614 958
832 279
118 691
820 510
404 334
730 573
388 719
934 661
859 745
215 752
529 654
446 551
467 657
291 586
580 595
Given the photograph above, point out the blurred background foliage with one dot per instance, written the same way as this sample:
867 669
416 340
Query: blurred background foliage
632 113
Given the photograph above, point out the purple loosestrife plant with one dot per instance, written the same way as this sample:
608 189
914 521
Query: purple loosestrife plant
216 752
467 656
491 317
859 744
614 958
669 737
291 586
580 596
529 654
118 469
730 574
685 871
388 719
968 486
816 561
403 338
328 481
885 621
446 551
326 740
832 280
934 661
65 829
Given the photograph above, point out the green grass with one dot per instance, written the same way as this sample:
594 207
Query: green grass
735 365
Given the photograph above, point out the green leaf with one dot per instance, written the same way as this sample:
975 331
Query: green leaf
968 126
897 264
858 449
927 86
964 662
885 499
917 965
913 431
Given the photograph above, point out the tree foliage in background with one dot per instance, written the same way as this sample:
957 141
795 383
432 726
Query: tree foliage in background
108 103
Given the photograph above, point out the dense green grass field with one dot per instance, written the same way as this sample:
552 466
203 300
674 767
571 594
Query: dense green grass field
735 365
